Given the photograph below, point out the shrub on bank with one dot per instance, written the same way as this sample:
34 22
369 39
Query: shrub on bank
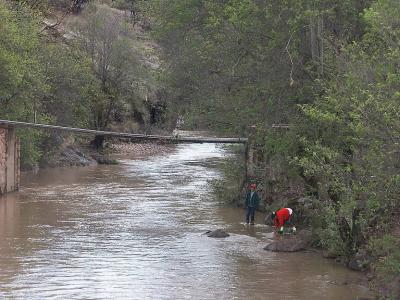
229 189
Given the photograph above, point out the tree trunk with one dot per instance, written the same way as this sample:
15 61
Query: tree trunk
345 235
316 42
320 31
313 40
98 142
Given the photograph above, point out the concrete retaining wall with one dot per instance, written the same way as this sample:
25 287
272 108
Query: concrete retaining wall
3 160
9 160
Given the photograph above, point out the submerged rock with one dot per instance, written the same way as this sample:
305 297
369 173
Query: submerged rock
328 254
219 233
103 159
290 243
68 157
360 261
72 156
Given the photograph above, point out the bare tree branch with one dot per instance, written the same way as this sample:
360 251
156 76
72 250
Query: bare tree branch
291 60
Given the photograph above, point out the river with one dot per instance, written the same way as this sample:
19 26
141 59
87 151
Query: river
134 231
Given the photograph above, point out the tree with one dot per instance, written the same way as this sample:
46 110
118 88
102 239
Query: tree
353 149
21 77
107 39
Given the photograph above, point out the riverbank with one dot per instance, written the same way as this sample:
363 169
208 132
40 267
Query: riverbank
376 260
375 254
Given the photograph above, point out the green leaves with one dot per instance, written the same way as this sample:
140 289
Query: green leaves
349 143
240 13
19 68
57 82
387 250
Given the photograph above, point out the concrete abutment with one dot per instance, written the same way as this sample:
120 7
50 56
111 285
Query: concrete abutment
9 160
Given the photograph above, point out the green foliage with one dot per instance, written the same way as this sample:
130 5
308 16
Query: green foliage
22 80
229 188
349 146
387 250
125 83
326 231
73 87
20 72
247 61
40 81
31 152
218 74
95 80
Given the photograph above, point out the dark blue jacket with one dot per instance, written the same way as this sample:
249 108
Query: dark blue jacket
254 201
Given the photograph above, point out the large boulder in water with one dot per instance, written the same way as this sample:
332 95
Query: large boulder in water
290 243
219 233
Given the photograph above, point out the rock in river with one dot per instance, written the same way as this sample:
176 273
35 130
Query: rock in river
219 233
360 261
290 243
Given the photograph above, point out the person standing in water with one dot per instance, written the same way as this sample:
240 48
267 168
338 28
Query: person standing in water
281 217
251 203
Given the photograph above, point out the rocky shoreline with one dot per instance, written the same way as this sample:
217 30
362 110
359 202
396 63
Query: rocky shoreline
84 156
140 150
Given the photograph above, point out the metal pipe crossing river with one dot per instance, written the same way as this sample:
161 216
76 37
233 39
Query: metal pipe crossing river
171 139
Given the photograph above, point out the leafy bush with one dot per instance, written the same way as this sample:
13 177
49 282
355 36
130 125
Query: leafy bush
386 250
31 152
228 189
326 232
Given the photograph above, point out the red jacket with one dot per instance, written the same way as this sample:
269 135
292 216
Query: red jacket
281 217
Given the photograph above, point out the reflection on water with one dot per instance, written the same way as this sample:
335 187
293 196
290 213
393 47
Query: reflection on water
134 231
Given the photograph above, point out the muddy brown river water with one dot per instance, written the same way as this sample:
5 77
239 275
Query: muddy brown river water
134 231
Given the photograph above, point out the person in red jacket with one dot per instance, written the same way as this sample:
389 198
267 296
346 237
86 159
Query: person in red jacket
281 217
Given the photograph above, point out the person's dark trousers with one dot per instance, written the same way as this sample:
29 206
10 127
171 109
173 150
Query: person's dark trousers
250 214
291 221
